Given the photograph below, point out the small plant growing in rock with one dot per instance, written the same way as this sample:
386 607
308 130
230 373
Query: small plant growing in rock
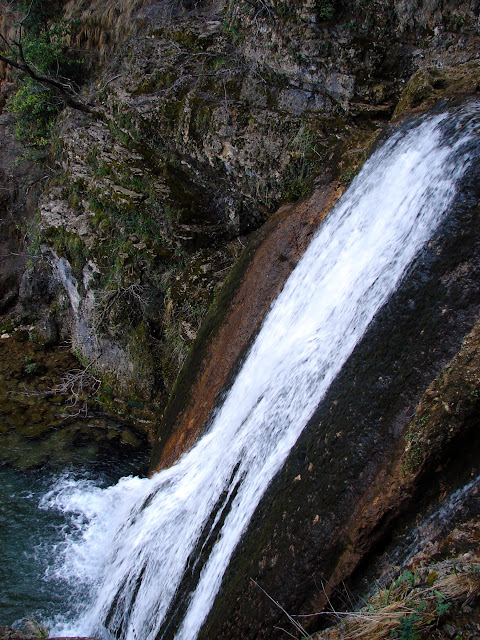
325 9
413 604
35 628
30 365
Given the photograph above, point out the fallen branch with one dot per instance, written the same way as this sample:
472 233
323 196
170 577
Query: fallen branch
78 385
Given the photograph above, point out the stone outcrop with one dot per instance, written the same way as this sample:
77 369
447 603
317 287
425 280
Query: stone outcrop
252 287
6 633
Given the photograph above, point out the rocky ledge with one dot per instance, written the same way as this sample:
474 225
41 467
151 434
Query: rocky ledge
7 633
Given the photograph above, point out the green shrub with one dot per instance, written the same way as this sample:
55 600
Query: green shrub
325 9
37 13
34 104
36 109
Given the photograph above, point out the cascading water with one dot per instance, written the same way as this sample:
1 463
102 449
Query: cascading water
139 537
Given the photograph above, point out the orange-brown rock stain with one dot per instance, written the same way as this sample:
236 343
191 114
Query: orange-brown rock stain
280 245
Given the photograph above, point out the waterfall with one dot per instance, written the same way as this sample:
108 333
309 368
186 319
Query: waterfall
134 541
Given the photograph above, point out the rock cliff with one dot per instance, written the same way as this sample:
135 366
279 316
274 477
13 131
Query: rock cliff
206 116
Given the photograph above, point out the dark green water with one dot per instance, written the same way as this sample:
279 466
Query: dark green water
43 439
22 528
31 536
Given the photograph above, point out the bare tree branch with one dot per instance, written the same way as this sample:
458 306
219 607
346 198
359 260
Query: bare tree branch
77 385
14 56
27 14
262 6
67 95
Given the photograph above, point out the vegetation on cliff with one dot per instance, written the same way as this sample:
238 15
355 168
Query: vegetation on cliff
432 602
49 71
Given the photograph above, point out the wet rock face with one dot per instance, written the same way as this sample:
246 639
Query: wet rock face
37 288
234 320
362 464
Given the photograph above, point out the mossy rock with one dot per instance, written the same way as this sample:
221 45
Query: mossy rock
432 84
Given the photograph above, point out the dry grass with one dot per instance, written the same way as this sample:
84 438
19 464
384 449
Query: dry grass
412 604
34 628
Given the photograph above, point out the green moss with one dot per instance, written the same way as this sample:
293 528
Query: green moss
232 29
417 91
188 38
433 84
200 119
414 449
69 245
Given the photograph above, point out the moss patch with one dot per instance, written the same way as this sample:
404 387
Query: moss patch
432 84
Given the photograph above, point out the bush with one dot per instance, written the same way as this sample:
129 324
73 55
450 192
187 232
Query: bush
36 109
35 105
37 13
325 9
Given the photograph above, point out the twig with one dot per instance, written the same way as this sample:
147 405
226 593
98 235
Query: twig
296 624
262 7
111 80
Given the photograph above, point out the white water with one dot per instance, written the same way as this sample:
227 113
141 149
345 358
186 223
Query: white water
134 540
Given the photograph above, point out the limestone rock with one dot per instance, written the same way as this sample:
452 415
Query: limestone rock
47 331
37 287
